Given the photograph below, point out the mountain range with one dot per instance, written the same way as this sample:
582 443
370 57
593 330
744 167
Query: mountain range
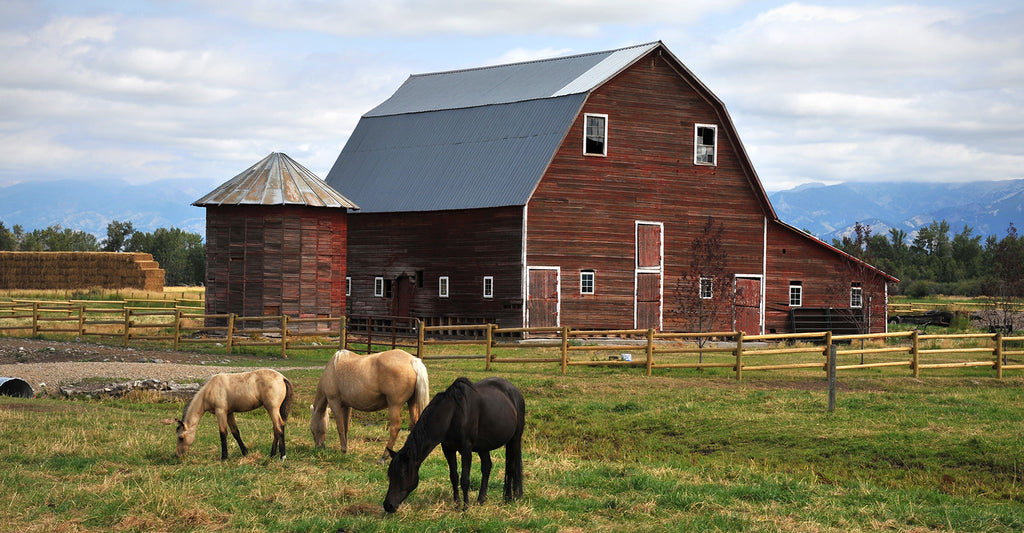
826 211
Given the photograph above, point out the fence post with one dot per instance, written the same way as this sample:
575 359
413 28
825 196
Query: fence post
420 339
831 377
490 339
35 318
828 348
177 328
231 330
284 336
739 356
81 320
999 354
650 349
915 353
127 323
343 333
565 348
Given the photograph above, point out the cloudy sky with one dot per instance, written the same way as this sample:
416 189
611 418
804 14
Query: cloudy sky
202 89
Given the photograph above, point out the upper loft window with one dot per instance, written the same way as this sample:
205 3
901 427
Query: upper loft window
856 295
595 135
705 139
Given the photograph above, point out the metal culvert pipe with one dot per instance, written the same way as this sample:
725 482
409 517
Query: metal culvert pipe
16 387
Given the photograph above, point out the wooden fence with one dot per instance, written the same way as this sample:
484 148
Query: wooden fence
181 322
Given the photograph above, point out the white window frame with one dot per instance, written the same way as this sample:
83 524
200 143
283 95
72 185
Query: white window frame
796 294
442 287
348 285
378 286
488 286
699 155
586 124
709 284
584 275
856 296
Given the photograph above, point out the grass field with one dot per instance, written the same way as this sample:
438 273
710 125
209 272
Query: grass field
606 449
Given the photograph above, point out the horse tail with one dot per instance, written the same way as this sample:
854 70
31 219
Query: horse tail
286 405
421 396
513 487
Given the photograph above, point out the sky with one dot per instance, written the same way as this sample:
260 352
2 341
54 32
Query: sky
820 92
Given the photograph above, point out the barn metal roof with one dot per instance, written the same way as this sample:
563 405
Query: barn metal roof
471 138
276 180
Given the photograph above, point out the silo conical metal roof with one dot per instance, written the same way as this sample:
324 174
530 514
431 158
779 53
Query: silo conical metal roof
276 180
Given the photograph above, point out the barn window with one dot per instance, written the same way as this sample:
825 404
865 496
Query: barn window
442 286
488 286
705 139
856 295
796 293
378 287
348 285
586 282
706 288
595 135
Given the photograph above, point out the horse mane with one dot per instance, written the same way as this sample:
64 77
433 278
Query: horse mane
419 437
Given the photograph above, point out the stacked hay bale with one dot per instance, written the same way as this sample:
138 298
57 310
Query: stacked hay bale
80 270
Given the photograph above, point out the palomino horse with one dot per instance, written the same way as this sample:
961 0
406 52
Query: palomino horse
369 383
227 394
466 418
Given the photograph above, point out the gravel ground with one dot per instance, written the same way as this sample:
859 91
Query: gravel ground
46 365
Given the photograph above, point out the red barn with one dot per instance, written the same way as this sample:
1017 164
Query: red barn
603 190
275 243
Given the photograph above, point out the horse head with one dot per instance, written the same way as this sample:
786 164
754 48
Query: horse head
403 477
185 438
318 425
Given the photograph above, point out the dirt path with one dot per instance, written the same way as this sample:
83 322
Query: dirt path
46 364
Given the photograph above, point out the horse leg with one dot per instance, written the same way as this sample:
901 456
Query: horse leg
278 422
485 475
467 466
453 470
341 418
237 435
222 426
394 425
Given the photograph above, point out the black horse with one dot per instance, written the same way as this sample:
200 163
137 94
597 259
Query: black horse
467 417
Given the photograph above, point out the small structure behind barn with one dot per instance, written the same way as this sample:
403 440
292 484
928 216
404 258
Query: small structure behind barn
276 241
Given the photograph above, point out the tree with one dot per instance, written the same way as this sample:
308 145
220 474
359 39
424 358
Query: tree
8 242
182 255
57 239
118 234
703 292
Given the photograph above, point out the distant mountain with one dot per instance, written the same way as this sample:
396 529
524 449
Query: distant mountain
90 205
830 211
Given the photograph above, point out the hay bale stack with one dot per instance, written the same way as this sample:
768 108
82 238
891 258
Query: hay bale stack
80 270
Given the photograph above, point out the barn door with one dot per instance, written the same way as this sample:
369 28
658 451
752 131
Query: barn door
402 298
649 253
747 305
542 298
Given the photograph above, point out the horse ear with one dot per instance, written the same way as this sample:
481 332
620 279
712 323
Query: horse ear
391 452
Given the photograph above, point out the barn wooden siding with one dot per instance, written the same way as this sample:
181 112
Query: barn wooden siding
276 260
414 249
583 214
825 276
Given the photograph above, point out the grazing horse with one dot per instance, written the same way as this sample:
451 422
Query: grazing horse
467 417
227 394
369 383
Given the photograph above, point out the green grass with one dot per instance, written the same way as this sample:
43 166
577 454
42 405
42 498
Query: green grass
606 449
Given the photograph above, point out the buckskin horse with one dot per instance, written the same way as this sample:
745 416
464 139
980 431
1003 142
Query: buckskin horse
466 418
227 394
373 382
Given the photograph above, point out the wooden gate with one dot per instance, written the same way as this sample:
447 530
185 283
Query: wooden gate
747 305
542 297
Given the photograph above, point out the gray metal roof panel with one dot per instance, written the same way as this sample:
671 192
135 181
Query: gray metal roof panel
276 180
503 84
475 157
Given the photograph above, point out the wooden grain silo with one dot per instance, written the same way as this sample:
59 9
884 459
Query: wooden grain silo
276 242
